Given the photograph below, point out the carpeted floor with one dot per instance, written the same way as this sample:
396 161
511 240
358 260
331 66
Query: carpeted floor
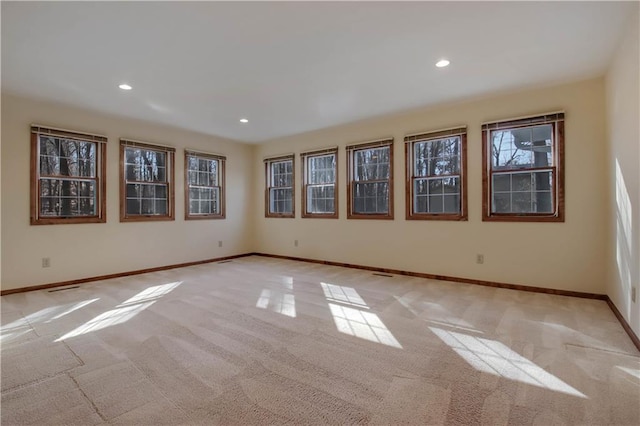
263 341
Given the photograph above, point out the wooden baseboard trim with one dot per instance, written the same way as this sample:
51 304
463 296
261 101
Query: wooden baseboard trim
612 306
120 274
625 324
445 278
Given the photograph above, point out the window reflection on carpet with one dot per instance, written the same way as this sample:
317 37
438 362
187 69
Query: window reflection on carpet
495 358
123 312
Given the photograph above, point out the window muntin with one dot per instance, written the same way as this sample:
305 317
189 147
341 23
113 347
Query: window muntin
319 195
280 187
371 180
435 175
68 183
147 179
204 186
525 177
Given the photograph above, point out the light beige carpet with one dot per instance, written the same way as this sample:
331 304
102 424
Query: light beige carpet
263 341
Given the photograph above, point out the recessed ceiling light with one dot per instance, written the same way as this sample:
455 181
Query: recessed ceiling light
244 120
125 87
442 63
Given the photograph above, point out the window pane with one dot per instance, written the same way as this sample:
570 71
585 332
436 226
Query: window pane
436 195
49 165
435 203
147 199
451 185
161 191
372 164
420 204
133 207
502 182
282 173
321 169
437 157
63 157
452 203
521 182
161 207
68 198
501 203
148 206
193 177
523 192
371 197
526 147
320 199
192 163
203 190
281 200
145 165
543 202
435 187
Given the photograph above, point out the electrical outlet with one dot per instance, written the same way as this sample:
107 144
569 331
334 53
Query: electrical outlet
46 262
295 243
220 243
633 294
479 259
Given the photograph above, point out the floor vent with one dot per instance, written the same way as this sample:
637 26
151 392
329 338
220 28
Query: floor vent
63 289
383 275
226 261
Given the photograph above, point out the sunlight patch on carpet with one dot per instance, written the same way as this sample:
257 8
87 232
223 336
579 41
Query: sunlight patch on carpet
151 293
634 372
344 295
22 326
495 358
75 307
365 325
125 311
282 303
455 325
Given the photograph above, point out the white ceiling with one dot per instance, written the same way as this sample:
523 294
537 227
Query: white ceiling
295 66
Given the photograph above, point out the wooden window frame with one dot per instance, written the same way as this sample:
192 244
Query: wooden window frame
304 157
170 182
35 179
268 162
221 185
556 120
410 141
351 150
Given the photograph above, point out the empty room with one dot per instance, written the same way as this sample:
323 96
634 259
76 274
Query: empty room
266 213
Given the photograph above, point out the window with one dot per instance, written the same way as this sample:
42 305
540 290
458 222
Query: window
319 192
68 177
280 185
370 185
146 181
523 177
204 186
436 180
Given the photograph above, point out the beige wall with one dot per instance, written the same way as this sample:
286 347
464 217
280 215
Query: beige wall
87 250
623 128
568 256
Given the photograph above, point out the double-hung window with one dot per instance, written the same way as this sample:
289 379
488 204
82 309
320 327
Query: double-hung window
436 180
319 191
146 181
204 186
67 177
523 177
279 187
370 180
